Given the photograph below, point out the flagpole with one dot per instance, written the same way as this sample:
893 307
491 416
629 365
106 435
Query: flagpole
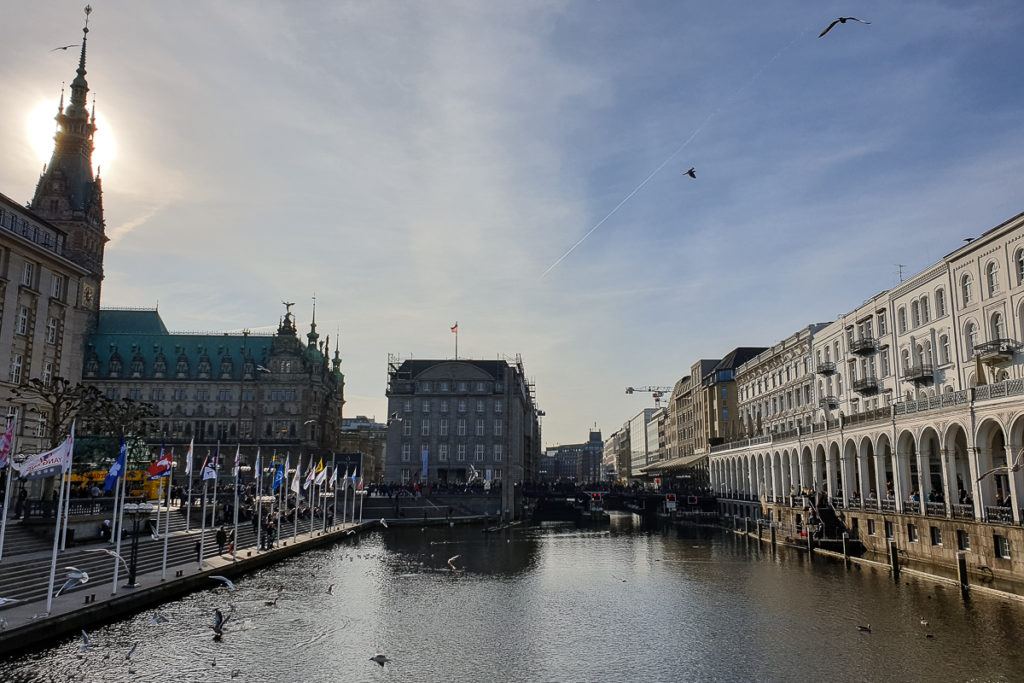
188 512
280 496
202 534
65 512
119 519
167 521
115 527
238 471
56 540
323 514
7 500
334 491
159 500
259 499
360 502
298 496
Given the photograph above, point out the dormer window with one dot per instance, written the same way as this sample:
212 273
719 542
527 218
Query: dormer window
138 366
181 370
226 367
92 366
116 365
203 371
160 366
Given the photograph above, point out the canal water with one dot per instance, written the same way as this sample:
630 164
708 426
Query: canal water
555 604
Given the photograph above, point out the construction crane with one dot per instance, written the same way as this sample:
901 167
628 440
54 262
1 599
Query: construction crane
656 392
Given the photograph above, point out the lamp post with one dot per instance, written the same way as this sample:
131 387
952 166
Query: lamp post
136 511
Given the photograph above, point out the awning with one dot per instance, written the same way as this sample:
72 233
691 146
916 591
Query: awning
674 465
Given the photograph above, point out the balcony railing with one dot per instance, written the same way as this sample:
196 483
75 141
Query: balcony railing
944 400
935 509
830 402
998 513
826 368
866 385
921 374
963 512
996 350
1010 387
864 346
888 505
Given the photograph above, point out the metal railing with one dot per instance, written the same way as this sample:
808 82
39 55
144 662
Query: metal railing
1010 387
826 368
864 345
919 373
935 509
888 505
945 400
829 402
866 385
999 514
853 503
996 346
963 512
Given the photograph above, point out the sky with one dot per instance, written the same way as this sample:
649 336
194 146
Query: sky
414 165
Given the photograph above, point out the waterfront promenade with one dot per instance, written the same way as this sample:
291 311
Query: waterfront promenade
24 576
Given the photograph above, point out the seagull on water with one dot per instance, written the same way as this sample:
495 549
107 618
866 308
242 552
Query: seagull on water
158 619
273 603
864 629
1018 462
379 659
451 561
226 580
692 173
924 622
85 646
330 589
76 577
219 621
112 553
841 20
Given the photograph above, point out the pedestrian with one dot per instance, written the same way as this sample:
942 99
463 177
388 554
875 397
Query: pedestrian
222 540
199 550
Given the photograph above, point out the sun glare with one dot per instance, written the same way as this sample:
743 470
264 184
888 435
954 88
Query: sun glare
41 128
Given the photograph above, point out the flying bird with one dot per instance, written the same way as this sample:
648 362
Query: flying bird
379 659
451 561
85 646
968 239
1018 462
64 47
864 629
692 173
76 577
112 553
219 621
8 601
841 20
158 619
225 580
383 523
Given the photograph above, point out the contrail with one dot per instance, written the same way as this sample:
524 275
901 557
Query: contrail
671 156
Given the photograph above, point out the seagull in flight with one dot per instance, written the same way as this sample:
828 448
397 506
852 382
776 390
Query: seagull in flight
85 646
76 577
692 173
379 659
451 562
112 553
1018 462
219 621
226 580
841 20
64 47
330 589
383 523
8 601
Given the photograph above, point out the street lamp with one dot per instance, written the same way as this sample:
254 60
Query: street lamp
136 511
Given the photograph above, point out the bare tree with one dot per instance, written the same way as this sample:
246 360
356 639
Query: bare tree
60 402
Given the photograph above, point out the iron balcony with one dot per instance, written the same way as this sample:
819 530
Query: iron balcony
997 350
921 374
864 346
826 368
866 385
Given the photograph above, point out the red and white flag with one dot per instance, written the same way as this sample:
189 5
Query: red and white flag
5 444
162 467
455 328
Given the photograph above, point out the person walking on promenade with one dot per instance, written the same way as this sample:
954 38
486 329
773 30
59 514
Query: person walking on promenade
222 539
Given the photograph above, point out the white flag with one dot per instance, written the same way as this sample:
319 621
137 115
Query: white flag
295 480
334 478
188 457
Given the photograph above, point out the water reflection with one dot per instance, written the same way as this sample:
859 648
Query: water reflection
560 603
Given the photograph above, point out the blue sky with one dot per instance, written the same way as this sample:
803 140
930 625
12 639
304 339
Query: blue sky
414 164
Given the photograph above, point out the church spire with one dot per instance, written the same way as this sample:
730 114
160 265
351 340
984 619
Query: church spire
313 336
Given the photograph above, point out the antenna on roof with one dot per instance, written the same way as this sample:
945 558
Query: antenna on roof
900 266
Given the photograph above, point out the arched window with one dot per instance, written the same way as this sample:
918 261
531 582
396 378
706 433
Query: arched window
965 289
915 314
998 326
929 358
992 278
943 349
919 355
971 337
925 314
905 359
940 302
1018 260
901 319
839 385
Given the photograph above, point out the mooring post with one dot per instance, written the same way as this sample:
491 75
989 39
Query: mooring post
810 542
961 571
894 560
846 549
773 535
746 525
759 527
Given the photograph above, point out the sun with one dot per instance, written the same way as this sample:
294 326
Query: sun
40 128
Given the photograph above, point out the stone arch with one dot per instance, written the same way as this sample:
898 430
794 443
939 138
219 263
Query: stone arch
929 454
906 472
868 472
991 444
834 471
886 467
806 469
851 472
960 480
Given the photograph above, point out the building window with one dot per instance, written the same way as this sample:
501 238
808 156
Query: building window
181 370
497 452
135 394
885 362
479 406
425 406
943 349
998 326
940 302
478 452
1019 262
28 274
443 386
425 386
202 394
479 427
462 406
16 369
936 533
963 540
901 319
425 428
912 533
462 387
22 324
461 427
57 287
51 331
461 452
407 407
497 474
888 529
406 452
113 393
915 314
966 289
992 278
47 372
871 527
925 314
224 395
406 427
881 323
156 394
497 427
444 406
442 452
444 426
406 475
41 426
1002 544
